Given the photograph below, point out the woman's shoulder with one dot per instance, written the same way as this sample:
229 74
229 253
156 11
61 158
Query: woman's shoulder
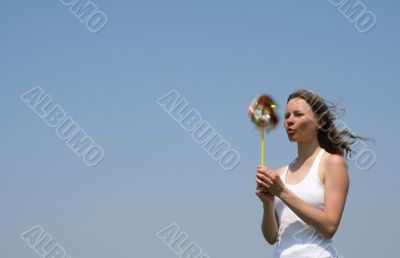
332 160
332 164
281 170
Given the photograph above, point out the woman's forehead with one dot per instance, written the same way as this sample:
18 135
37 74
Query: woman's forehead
297 104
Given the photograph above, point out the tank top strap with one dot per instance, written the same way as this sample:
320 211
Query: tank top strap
315 165
283 176
313 172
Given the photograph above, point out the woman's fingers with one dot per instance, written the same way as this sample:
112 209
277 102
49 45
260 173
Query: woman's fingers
260 167
268 174
264 178
260 192
267 184
261 171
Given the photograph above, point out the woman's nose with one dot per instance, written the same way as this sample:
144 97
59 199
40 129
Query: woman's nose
289 121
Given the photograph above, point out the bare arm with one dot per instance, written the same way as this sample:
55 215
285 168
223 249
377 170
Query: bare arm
327 221
270 222
269 225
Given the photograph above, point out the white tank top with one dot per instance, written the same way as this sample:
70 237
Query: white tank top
295 238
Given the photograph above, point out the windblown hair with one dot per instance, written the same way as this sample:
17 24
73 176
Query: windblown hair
329 137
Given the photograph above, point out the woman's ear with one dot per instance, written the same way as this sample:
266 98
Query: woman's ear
319 125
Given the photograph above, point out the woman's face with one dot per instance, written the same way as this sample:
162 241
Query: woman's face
300 123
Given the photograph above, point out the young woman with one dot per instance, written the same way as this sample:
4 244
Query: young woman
304 201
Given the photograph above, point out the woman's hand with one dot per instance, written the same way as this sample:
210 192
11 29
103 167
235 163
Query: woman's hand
269 180
266 197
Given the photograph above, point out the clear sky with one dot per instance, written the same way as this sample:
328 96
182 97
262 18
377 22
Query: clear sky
218 55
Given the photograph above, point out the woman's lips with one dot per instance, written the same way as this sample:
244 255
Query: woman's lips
291 131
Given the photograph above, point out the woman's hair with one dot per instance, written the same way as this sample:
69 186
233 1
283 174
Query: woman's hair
329 137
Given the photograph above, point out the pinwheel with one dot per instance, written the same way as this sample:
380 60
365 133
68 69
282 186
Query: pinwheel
262 112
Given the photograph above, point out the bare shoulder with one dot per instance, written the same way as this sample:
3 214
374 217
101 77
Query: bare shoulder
334 161
281 170
333 165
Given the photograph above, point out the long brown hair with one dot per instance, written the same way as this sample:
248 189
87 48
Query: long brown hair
329 137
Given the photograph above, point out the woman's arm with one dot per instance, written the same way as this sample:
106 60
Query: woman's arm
327 221
269 225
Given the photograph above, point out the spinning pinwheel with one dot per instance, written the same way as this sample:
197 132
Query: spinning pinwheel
262 112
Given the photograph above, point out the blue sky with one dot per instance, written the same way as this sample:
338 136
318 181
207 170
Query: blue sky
219 55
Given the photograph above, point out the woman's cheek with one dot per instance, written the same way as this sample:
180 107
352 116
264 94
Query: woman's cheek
306 127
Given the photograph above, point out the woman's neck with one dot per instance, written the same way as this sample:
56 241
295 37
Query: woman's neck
305 150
